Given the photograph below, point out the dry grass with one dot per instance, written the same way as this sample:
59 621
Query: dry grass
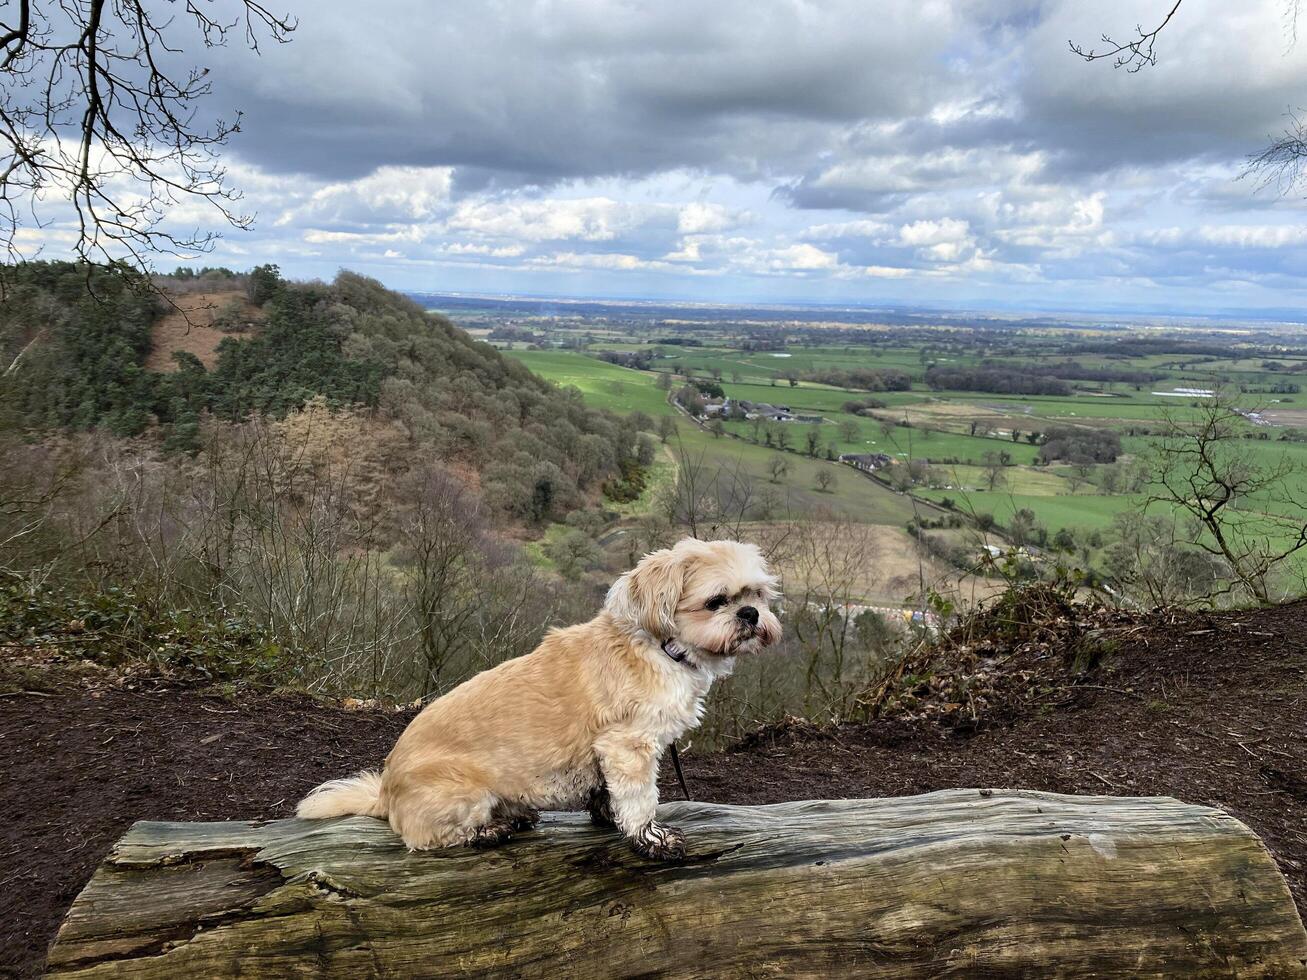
189 328
948 416
879 564
355 449
1286 416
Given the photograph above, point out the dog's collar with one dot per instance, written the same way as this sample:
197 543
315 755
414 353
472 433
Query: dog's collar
677 653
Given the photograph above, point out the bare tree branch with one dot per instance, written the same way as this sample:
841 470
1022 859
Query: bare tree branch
1131 55
1281 163
95 114
1249 511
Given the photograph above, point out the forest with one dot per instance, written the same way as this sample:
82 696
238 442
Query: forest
336 502
78 339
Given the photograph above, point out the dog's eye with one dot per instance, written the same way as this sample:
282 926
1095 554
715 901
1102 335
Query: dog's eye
715 603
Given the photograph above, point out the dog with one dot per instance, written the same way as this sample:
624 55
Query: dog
582 721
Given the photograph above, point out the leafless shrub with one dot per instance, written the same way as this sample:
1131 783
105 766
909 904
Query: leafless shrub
1249 511
400 597
833 645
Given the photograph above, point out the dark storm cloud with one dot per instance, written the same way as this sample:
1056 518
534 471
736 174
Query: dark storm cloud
542 92
1224 77
517 94
873 147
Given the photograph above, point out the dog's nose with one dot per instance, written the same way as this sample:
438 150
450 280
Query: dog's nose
749 615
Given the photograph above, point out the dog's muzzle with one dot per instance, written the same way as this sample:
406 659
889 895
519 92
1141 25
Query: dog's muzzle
747 636
751 632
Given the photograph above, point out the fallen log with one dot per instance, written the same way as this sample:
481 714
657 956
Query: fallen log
960 882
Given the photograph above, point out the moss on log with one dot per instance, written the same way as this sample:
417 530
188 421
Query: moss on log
960 882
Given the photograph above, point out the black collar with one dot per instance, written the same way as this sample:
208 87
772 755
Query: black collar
677 653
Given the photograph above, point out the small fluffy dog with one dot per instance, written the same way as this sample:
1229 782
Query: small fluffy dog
580 722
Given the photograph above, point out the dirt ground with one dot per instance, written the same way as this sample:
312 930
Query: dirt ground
1211 709
187 328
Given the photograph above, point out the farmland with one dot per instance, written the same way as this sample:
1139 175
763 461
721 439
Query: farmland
621 389
973 458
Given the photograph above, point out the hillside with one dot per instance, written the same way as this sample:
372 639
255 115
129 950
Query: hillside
326 484
1207 708
131 362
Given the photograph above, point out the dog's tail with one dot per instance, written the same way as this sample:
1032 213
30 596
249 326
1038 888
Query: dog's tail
359 794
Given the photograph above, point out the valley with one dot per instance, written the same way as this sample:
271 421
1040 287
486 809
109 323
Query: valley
960 415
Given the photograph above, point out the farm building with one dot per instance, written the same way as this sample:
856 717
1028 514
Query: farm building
776 413
867 462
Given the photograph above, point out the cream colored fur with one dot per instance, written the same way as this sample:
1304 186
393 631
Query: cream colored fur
353 794
593 707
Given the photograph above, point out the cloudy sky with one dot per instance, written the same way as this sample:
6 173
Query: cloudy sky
924 151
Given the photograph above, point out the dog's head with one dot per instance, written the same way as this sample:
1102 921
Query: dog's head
712 595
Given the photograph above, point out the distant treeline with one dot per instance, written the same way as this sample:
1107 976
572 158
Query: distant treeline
1003 381
861 379
1073 444
1124 347
863 406
514 334
1071 371
640 360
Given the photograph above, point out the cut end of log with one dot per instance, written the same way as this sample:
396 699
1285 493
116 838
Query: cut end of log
959 881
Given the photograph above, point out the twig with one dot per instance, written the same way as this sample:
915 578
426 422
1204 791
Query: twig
1100 687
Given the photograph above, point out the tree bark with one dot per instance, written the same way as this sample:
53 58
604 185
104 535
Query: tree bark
959 882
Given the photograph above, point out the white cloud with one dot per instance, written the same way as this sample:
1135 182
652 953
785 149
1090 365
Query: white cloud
886 272
318 236
1253 236
689 251
1233 236
947 231
701 217
493 251
593 219
802 257
861 228
607 261
784 149
387 194
1057 220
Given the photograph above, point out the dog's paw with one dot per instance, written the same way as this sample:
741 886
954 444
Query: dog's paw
601 808
491 835
659 842
525 819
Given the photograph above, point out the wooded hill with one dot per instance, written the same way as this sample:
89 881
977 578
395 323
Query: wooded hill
74 344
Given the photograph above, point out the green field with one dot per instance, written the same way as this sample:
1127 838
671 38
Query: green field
1042 481
620 389
603 385
1289 499
902 443
765 364
1054 512
963 439
820 398
853 496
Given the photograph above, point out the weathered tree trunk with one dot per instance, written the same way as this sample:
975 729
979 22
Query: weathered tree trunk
961 882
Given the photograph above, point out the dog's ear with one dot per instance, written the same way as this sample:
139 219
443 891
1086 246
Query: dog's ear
647 595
